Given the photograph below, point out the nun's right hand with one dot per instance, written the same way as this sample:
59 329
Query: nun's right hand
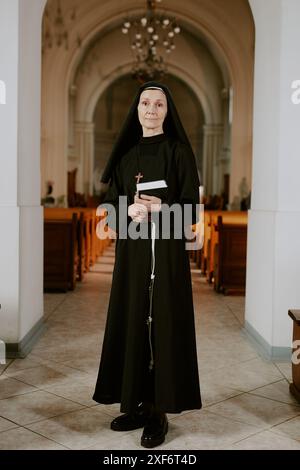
138 212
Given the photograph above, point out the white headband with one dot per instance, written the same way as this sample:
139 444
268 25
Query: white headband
154 87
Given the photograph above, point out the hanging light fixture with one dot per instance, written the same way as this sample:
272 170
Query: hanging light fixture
56 27
151 37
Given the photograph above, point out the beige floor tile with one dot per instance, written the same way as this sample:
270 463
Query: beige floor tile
65 353
204 431
35 406
286 369
257 411
65 361
213 391
22 364
290 428
129 441
277 391
111 410
51 302
79 430
3 367
10 387
47 375
103 269
5 425
76 391
23 439
249 375
89 364
216 357
266 440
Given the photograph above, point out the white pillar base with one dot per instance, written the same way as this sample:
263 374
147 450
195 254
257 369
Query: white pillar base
273 279
21 274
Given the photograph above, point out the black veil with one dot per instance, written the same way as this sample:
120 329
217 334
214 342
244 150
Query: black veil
131 131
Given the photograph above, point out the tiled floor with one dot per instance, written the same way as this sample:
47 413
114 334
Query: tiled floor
45 399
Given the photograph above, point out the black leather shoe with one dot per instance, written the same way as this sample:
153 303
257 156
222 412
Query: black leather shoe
155 430
131 421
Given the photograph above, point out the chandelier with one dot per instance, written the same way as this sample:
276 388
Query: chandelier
151 37
56 26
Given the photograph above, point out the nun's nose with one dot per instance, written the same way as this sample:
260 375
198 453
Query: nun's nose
152 109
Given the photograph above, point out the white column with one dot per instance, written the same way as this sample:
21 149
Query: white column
84 151
224 155
273 258
212 145
21 216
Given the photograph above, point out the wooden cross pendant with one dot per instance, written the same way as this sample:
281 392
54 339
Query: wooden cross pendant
138 177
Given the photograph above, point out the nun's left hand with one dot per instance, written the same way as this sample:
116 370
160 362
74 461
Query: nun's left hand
152 203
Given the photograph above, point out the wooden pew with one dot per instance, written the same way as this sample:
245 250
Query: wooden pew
205 249
90 236
90 247
233 217
230 254
60 260
67 214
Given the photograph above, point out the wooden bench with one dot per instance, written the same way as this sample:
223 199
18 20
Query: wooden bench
88 246
205 248
60 260
230 217
230 254
67 214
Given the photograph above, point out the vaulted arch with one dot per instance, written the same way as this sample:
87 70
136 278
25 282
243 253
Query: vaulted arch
231 45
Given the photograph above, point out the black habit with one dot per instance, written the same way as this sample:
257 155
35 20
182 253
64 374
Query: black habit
123 373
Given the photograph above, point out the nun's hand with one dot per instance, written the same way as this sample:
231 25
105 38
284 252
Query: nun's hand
152 203
138 212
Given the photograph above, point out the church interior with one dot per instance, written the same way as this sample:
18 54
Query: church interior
68 73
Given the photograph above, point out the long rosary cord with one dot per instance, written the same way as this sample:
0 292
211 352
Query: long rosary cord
150 318
138 158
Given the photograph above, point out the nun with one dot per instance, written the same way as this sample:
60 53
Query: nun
149 358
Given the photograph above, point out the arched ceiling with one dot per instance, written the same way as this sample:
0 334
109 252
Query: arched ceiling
222 29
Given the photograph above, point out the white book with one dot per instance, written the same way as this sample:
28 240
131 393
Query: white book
151 185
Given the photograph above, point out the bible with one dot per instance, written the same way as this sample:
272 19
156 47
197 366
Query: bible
157 188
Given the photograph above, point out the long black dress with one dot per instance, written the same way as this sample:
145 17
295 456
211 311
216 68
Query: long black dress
123 376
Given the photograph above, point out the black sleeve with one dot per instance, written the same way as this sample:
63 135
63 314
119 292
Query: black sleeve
117 210
188 180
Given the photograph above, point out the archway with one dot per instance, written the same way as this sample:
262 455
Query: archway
22 294
231 46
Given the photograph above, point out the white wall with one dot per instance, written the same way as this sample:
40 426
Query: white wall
21 235
273 264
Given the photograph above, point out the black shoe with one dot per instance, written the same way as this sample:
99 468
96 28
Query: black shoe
131 421
155 430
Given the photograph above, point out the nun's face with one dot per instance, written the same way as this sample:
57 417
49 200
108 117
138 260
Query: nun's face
152 110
